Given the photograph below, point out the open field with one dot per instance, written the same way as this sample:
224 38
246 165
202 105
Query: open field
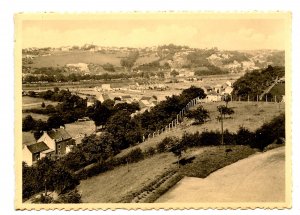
115 185
30 102
26 100
251 115
79 129
59 59
146 59
27 138
111 186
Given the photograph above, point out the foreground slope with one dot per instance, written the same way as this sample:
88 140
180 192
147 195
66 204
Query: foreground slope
259 178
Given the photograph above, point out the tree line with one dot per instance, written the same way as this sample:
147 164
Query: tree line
254 83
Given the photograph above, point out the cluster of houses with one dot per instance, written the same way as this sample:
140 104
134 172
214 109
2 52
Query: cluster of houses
52 144
215 93
145 102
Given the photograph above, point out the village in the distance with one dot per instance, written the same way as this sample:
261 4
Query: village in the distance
120 124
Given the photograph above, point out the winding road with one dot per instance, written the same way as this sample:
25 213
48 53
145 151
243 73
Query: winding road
259 178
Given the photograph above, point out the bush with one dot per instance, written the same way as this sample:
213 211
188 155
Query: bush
166 144
210 138
70 197
229 138
244 136
270 132
149 152
135 155
191 140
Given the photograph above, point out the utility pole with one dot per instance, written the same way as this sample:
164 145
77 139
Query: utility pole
222 137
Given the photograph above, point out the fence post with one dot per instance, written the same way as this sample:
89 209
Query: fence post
143 138
275 98
266 98
148 136
153 134
248 97
177 118
256 98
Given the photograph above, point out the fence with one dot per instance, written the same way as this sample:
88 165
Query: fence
179 118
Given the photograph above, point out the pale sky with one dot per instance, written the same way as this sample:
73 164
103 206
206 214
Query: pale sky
197 32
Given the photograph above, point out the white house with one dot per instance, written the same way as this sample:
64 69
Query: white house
57 140
33 152
228 90
213 97
106 87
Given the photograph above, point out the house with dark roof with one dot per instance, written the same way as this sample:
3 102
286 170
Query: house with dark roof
35 151
127 98
207 89
58 140
103 96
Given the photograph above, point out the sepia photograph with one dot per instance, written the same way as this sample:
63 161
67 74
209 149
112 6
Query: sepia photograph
153 110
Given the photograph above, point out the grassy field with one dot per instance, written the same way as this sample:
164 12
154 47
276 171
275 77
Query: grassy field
146 59
115 185
59 59
27 138
111 186
78 129
30 100
251 115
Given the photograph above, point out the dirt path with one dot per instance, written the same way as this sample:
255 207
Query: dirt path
259 178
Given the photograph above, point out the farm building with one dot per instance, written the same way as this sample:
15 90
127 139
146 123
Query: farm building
35 151
103 96
91 101
127 98
106 87
58 140
228 90
213 97
207 89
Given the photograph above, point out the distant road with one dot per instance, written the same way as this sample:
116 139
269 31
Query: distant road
259 178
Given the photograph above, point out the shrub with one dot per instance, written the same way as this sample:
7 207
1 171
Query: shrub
244 136
210 138
166 144
270 132
71 197
191 139
229 138
149 152
135 155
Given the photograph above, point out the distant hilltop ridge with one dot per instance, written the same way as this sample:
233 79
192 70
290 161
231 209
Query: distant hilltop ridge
157 60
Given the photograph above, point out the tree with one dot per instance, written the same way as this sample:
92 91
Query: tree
223 110
177 149
200 115
226 99
55 121
192 93
98 113
28 123
131 108
174 73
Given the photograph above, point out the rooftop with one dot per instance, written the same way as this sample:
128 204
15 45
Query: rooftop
59 134
37 147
